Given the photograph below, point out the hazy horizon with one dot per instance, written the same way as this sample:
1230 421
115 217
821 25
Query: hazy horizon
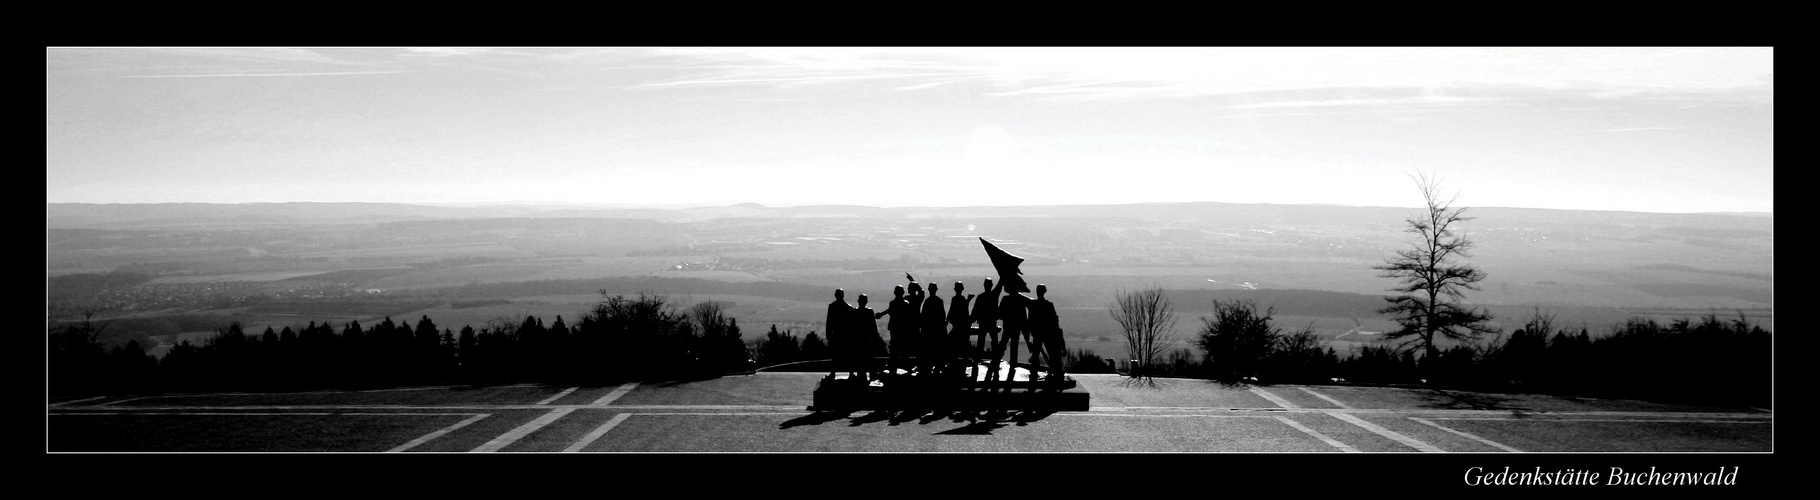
1659 130
686 206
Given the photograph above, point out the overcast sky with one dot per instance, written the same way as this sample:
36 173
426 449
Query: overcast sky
1635 129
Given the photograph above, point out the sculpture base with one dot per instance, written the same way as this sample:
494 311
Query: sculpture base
833 394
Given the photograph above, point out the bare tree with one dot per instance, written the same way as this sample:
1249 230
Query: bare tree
1148 321
1431 278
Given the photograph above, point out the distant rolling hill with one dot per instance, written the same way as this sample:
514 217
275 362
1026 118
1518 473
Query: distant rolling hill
1308 261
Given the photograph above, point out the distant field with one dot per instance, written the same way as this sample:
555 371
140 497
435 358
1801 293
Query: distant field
781 265
605 267
357 275
461 275
729 276
219 278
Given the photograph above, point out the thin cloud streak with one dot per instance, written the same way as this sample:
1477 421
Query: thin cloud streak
1636 129
820 78
246 75
1363 102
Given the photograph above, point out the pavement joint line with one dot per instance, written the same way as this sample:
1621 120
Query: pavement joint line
54 405
1323 437
523 430
1676 420
1393 435
596 433
254 413
1324 397
1429 413
558 395
330 391
621 391
1160 415
1466 435
1272 397
438 433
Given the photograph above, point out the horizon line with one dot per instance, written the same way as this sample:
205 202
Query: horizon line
689 206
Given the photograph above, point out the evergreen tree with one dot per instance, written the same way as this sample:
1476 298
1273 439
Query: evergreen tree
813 347
76 357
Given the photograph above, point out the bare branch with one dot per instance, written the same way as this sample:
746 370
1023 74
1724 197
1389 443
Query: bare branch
1431 280
1148 321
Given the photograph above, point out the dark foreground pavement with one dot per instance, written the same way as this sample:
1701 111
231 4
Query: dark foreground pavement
767 412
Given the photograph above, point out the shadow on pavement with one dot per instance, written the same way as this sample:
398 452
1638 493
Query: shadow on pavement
875 416
907 415
817 418
980 428
1143 383
1437 398
978 422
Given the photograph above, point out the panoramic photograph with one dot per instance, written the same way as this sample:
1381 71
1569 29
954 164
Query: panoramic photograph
1278 251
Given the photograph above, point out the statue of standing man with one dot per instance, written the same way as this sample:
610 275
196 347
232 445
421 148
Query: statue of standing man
840 342
1046 330
934 332
902 327
867 346
985 314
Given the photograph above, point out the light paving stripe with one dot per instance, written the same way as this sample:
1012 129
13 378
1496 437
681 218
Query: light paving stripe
122 401
1272 397
621 391
1674 420
475 407
523 430
1436 414
1323 437
1154 415
54 405
1487 442
1324 397
1393 435
427 437
558 395
596 433
242 413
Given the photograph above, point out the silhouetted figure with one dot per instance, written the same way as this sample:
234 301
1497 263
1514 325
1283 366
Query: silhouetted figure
959 319
1046 330
902 326
840 341
985 314
934 331
960 326
1011 315
865 341
914 322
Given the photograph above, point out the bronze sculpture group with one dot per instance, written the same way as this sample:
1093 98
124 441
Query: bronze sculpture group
967 341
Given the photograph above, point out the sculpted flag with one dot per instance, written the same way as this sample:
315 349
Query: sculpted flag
1006 264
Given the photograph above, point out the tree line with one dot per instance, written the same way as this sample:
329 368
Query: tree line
1444 341
1704 360
621 339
